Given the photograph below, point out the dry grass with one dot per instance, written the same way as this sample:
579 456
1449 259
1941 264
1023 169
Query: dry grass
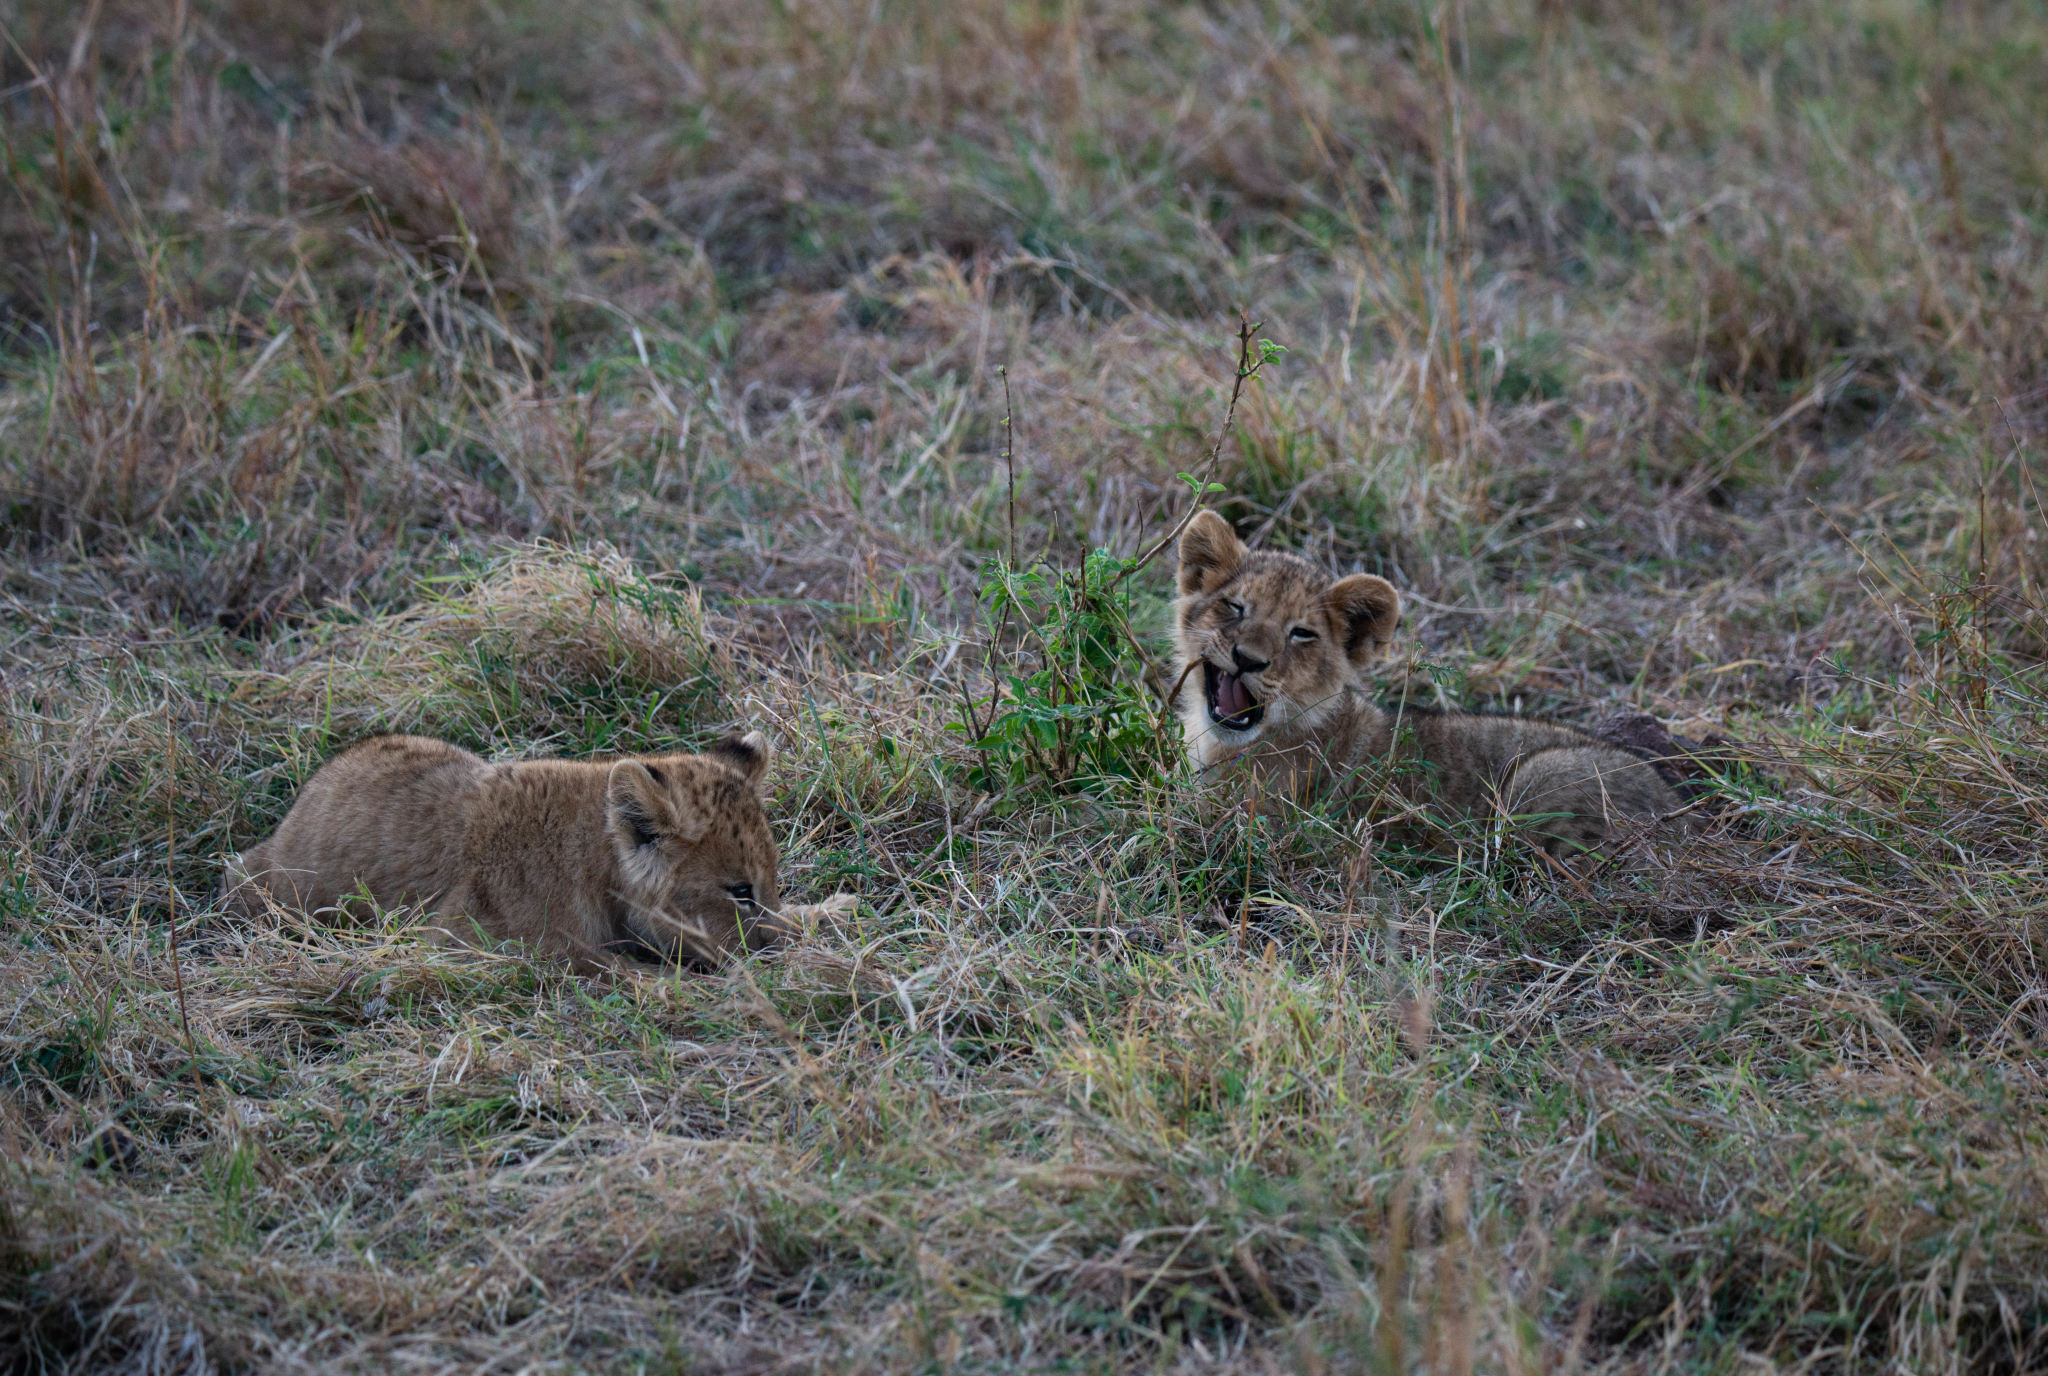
569 379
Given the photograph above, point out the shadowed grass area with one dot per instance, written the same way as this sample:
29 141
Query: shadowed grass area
564 380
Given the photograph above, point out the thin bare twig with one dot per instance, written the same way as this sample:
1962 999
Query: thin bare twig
1009 457
1246 369
995 683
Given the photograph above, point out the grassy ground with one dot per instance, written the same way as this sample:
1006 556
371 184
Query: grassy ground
563 379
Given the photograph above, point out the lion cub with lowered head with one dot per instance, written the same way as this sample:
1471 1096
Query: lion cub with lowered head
1270 651
588 861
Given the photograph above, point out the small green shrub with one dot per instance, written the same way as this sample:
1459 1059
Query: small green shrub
1086 719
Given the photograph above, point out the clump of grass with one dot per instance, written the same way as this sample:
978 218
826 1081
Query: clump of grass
542 633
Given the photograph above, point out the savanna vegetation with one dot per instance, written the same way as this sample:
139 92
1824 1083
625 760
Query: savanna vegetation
568 378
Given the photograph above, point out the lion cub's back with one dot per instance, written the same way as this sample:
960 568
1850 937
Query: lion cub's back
1473 754
387 814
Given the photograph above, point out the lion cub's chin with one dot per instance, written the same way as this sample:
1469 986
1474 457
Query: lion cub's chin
600 863
1235 737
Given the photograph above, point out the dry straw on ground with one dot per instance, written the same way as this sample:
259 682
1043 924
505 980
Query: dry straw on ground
569 379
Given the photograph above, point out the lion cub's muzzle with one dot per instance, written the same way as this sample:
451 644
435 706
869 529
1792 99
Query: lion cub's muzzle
678 940
766 928
1231 702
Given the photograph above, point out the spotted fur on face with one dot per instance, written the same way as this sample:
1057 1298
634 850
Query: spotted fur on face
1268 641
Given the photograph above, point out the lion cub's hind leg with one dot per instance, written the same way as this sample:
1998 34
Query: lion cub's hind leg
1570 799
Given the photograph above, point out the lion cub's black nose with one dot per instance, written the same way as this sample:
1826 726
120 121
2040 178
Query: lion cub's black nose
1245 663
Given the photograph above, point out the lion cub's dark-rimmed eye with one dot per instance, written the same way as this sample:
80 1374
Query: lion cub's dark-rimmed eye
1301 635
741 893
1236 609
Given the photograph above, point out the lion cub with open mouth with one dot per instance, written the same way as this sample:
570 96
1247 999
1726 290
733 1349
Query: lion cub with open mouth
662 856
1270 652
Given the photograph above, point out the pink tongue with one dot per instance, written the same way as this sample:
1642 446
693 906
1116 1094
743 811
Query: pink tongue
1231 698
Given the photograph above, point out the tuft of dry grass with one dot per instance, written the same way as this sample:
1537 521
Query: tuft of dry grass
564 380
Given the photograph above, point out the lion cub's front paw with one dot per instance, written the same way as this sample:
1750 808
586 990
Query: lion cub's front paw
833 909
809 916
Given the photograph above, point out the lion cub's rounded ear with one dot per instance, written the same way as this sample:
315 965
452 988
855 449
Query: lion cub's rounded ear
1363 611
749 754
1210 553
640 806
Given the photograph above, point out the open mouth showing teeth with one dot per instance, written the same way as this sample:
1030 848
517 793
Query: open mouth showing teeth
1230 702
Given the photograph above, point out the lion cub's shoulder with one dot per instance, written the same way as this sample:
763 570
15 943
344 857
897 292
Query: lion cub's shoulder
383 759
